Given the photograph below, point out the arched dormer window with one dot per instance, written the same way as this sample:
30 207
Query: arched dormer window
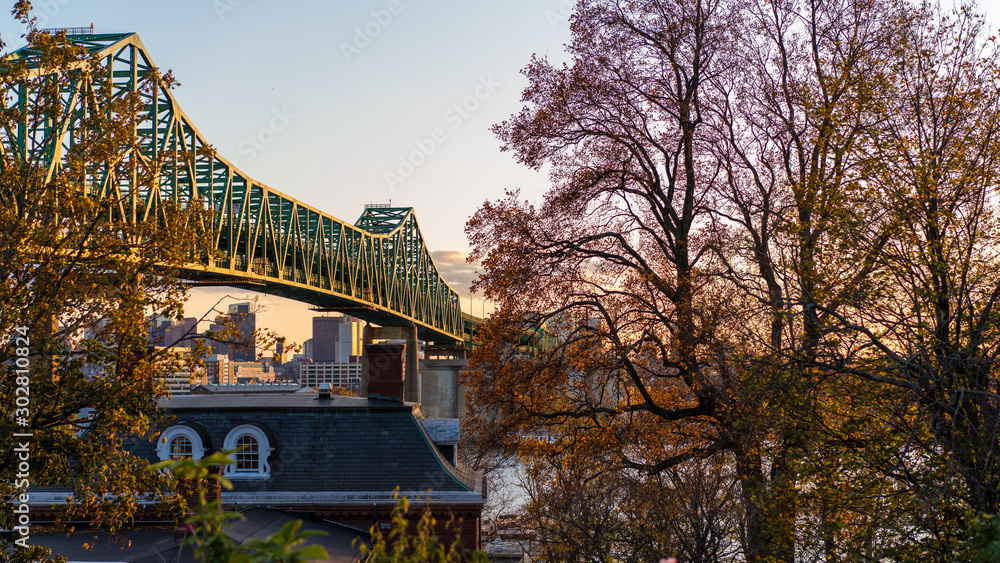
253 449
180 442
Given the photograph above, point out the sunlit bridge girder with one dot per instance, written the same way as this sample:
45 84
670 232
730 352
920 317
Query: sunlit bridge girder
377 269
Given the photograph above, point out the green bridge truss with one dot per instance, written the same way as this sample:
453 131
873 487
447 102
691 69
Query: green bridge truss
377 269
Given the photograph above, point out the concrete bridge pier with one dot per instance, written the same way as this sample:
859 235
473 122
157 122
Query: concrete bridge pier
442 394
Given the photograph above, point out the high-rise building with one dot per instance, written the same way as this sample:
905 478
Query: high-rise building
336 339
238 344
326 334
183 333
279 353
156 326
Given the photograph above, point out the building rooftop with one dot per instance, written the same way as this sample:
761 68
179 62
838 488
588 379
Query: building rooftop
442 430
278 401
341 446
157 544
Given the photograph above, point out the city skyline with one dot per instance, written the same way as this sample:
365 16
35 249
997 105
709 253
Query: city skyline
343 104
339 105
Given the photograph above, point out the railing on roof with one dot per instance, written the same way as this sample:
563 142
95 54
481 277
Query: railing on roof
378 205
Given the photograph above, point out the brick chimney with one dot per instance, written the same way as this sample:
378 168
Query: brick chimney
385 372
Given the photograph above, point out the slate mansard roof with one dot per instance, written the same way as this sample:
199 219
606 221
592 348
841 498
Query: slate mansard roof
337 445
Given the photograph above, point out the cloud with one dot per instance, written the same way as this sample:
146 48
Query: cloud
455 270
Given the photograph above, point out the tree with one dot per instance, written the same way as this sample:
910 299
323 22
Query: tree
930 328
770 238
414 542
798 241
581 508
81 269
617 260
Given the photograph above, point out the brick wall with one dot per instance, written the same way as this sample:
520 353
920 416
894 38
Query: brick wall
385 371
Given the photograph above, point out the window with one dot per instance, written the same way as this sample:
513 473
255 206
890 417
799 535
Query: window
247 456
253 449
181 447
180 442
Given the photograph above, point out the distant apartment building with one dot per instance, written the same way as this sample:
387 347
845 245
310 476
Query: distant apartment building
287 371
156 325
238 344
337 374
218 370
165 332
336 339
183 333
180 378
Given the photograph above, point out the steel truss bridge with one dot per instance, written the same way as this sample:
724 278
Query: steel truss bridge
377 269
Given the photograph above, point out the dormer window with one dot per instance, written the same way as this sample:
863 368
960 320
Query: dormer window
253 449
180 442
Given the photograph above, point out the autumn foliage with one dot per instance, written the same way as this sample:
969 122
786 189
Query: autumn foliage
80 275
768 257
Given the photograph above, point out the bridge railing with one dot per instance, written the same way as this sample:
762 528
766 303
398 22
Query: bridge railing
71 30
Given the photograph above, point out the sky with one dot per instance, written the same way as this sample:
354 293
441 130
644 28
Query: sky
378 101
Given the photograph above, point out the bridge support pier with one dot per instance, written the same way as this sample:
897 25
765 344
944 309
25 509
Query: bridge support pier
442 395
412 380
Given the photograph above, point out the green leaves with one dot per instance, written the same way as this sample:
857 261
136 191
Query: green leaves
209 522
284 545
404 544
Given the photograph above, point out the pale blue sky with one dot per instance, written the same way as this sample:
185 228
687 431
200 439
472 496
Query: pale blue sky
358 84
350 117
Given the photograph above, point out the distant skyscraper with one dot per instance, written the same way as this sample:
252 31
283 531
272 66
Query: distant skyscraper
240 346
335 339
279 353
351 340
326 333
155 329
182 333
